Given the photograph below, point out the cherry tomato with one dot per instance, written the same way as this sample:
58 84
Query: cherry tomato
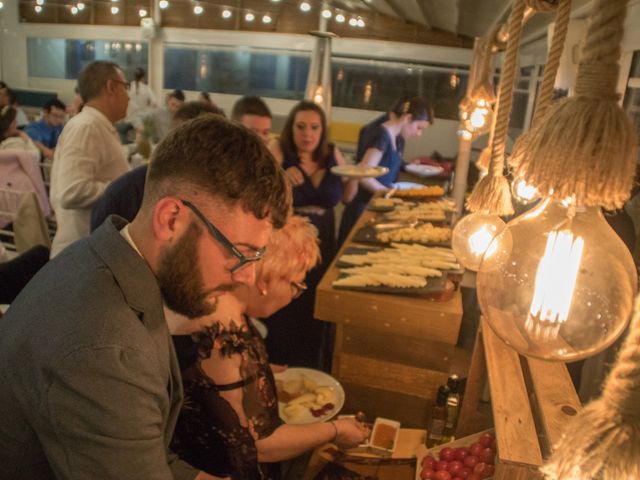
490 470
492 445
441 465
487 456
428 462
427 474
447 454
471 461
442 475
486 439
465 472
454 467
481 470
475 449
461 453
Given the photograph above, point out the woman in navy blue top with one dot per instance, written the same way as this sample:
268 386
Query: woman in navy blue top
295 338
381 143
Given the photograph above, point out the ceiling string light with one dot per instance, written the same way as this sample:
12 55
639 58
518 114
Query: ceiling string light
163 4
114 10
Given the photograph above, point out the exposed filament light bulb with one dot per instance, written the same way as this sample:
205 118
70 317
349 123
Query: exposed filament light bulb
472 239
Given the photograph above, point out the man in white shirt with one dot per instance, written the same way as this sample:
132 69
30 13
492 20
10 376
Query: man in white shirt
89 154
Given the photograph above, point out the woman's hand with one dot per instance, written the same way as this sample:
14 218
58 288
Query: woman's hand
350 433
295 176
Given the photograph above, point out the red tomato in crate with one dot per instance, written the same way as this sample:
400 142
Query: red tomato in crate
461 453
465 472
441 465
487 456
447 454
475 449
442 475
429 462
427 474
486 439
483 470
471 461
454 467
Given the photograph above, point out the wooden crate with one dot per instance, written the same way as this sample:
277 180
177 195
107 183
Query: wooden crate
531 401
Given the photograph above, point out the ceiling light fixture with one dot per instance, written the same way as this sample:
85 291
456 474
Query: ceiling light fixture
39 2
142 12
114 10
249 17
326 13
74 10
198 9
266 19
80 6
353 22
305 6
361 23
340 18
37 8
226 13
163 4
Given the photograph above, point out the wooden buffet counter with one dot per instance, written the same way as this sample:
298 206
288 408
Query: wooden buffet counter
391 351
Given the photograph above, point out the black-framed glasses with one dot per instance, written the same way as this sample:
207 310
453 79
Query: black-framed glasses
299 288
127 85
243 260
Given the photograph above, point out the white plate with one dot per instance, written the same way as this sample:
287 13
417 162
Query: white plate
407 185
323 380
354 171
424 170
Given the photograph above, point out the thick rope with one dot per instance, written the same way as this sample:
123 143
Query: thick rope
603 440
585 146
492 193
560 28
598 70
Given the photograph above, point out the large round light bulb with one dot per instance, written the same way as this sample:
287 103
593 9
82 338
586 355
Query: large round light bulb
562 285
473 236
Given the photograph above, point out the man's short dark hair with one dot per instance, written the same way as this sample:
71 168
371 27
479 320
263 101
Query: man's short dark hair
212 156
249 105
192 110
177 94
94 77
53 103
11 96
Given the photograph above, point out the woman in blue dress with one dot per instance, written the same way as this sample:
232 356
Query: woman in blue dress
381 143
295 337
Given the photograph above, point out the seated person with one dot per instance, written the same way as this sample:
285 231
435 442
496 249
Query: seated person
253 113
229 423
8 98
45 132
123 196
10 136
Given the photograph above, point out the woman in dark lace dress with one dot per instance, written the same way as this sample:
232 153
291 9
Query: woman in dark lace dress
229 424
307 158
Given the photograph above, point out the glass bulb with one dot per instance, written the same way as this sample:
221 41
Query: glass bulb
524 193
562 285
479 117
472 238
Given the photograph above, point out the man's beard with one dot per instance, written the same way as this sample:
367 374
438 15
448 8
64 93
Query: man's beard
180 277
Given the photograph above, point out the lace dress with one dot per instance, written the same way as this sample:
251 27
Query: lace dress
209 434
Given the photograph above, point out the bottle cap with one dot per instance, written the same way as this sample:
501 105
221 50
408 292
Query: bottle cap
443 393
453 383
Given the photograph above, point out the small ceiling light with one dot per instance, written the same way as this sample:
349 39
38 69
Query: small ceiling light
326 13
249 17
138 47
266 19
353 22
198 9
142 12
74 10
361 23
163 4
1 5
226 13
114 10
305 6
37 8
39 2
80 6
275 1
128 47
340 18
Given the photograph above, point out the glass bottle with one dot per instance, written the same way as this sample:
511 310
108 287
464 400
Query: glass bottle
453 408
435 428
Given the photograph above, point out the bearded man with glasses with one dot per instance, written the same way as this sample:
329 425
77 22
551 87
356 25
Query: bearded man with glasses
91 383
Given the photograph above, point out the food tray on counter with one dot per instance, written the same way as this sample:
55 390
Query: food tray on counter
364 250
367 234
434 286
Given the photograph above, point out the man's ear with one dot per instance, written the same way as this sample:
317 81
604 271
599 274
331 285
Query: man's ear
170 219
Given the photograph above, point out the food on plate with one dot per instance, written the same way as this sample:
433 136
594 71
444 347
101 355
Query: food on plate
301 395
403 254
435 211
430 191
425 233
395 268
377 279
384 436
381 202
